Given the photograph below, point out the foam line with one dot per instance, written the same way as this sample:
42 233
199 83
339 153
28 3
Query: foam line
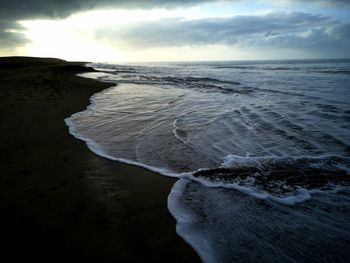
95 148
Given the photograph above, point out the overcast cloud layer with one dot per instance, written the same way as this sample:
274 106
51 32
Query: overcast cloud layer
288 30
277 30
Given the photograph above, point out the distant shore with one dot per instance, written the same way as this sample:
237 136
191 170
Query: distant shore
58 200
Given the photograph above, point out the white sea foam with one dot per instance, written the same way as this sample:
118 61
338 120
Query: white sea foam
185 219
178 131
299 196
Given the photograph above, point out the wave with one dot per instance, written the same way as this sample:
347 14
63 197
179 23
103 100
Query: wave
287 180
201 84
185 80
256 69
235 67
346 72
98 150
179 131
226 226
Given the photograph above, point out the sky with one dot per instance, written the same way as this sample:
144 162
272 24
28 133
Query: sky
175 30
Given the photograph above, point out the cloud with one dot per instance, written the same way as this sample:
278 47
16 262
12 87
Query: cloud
20 9
13 10
10 40
10 36
322 2
28 9
274 30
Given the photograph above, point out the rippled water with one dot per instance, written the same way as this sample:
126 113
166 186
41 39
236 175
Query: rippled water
245 139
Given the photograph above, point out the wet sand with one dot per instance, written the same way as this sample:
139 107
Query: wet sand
58 200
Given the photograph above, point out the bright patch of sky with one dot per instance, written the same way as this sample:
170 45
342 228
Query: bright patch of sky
224 30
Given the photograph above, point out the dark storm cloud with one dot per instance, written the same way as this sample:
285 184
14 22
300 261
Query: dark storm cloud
280 30
21 9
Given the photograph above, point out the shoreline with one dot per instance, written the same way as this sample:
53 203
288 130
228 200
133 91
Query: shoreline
60 201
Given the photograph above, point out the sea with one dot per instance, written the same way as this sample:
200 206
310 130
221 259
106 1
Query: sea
260 150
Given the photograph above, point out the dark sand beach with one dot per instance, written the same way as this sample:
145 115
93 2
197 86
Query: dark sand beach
58 200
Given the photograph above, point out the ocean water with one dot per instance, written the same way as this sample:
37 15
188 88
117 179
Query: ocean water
261 150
